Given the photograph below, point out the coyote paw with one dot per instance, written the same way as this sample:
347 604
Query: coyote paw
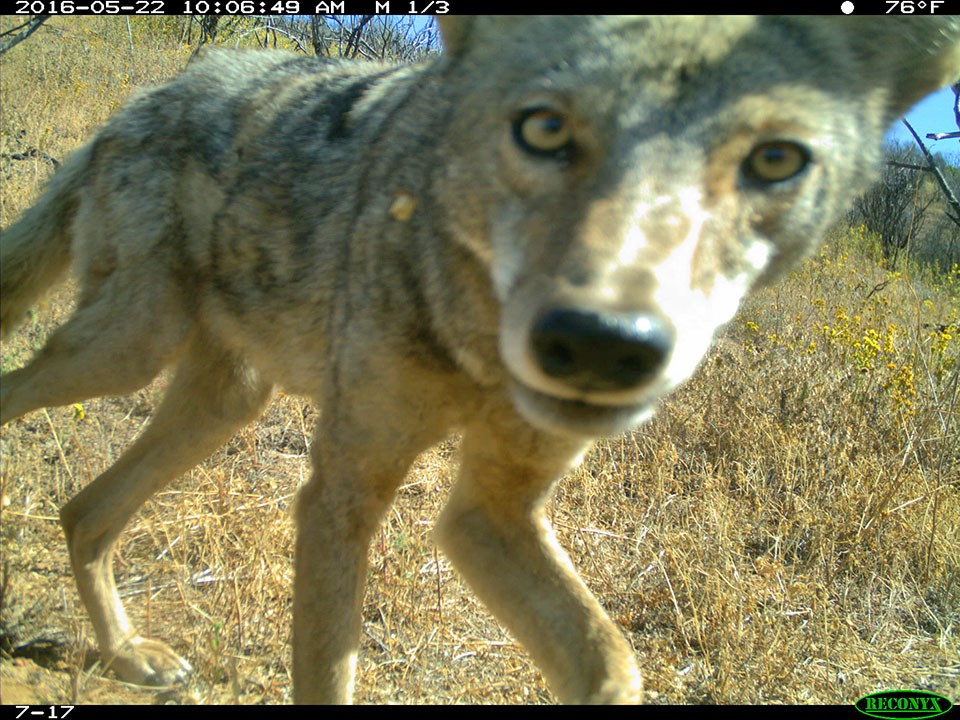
149 662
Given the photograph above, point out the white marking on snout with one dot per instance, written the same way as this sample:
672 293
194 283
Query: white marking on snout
635 239
697 313
758 254
507 253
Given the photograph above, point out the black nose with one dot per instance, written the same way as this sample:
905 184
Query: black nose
600 352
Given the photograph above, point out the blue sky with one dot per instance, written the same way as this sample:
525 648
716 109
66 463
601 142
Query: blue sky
934 114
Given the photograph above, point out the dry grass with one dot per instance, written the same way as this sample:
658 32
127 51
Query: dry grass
786 530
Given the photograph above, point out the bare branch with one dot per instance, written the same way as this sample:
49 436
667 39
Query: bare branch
947 191
956 104
907 166
353 42
943 136
26 29
271 28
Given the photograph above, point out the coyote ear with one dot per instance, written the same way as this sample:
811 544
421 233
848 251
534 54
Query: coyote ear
454 30
912 56
459 31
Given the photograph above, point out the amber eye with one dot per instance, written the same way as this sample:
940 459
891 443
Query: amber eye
544 132
774 162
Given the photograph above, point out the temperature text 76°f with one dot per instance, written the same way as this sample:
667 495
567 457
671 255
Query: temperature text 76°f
914 7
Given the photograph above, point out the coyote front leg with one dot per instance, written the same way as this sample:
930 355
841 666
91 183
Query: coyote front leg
357 465
495 531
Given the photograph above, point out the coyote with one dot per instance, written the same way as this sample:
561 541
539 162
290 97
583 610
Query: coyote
529 238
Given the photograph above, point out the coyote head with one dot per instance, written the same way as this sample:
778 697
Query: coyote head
643 174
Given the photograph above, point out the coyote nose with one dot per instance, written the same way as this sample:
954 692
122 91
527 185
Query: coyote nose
600 352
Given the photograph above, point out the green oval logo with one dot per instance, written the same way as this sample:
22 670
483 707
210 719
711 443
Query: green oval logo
898 704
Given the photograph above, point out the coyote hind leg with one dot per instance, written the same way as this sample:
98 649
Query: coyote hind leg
212 395
105 348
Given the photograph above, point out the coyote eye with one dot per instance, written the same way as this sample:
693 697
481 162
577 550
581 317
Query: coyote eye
774 162
544 132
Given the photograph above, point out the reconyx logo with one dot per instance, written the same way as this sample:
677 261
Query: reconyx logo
898 704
